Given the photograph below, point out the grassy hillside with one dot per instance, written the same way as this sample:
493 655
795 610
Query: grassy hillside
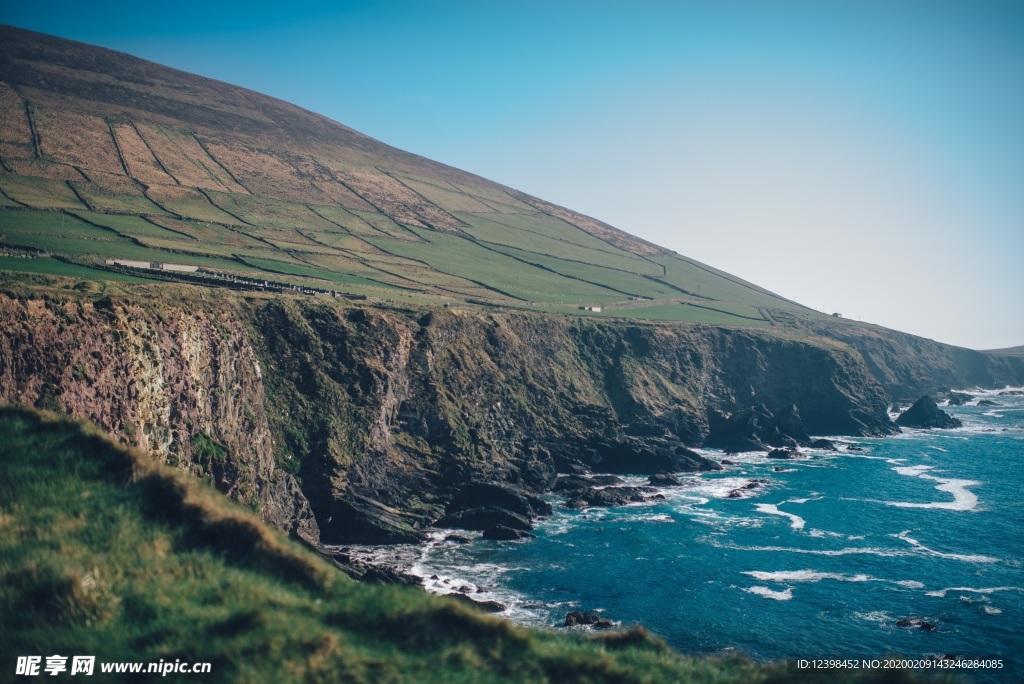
103 552
1017 352
104 156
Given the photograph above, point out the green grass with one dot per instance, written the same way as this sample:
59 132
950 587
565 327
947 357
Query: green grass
311 272
134 226
270 213
687 313
39 193
518 257
549 236
104 552
196 207
51 266
1009 351
122 204
448 198
15 224
465 259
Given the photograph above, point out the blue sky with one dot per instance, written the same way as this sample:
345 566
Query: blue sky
858 156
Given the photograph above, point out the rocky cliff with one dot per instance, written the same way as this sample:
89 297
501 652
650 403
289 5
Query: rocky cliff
909 366
355 423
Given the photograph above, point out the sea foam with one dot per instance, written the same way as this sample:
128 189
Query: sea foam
796 522
771 594
963 498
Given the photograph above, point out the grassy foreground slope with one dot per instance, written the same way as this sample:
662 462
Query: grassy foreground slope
104 552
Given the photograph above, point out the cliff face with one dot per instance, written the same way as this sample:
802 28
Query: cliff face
372 415
181 384
909 367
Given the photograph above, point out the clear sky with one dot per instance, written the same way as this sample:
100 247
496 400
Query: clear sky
857 156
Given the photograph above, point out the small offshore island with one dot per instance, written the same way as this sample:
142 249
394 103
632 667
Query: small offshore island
240 368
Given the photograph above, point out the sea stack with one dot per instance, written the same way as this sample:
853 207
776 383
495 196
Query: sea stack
926 414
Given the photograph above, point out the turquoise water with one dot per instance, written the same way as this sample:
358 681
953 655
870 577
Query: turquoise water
820 562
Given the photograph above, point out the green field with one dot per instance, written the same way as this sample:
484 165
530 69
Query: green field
505 252
50 266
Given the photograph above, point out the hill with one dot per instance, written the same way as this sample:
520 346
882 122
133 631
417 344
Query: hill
1009 351
104 156
106 553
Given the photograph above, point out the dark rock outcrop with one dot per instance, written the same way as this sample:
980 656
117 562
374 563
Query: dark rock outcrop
385 575
636 456
480 494
503 533
287 509
612 496
782 453
758 429
664 480
569 484
987 402
362 520
921 624
958 398
486 606
580 619
926 414
823 444
485 517
747 489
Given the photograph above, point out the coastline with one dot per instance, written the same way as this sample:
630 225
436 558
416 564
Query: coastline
811 543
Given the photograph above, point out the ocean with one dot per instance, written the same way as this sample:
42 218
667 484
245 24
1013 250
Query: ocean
819 562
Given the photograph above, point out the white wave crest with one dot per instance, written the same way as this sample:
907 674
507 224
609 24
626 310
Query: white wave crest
941 593
796 522
771 594
918 546
815 576
963 498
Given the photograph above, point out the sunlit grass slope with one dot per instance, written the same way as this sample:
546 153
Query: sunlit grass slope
104 552
105 156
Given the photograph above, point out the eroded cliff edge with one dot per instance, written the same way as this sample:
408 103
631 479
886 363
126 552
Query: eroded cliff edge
354 423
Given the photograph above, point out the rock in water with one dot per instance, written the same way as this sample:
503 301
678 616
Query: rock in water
573 484
486 606
958 398
612 496
578 618
757 429
926 414
503 533
485 517
988 402
480 494
664 480
383 575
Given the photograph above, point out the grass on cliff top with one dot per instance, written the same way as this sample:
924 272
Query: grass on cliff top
104 552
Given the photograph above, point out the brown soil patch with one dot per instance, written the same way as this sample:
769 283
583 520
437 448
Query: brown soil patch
186 160
77 139
39 168
140 161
